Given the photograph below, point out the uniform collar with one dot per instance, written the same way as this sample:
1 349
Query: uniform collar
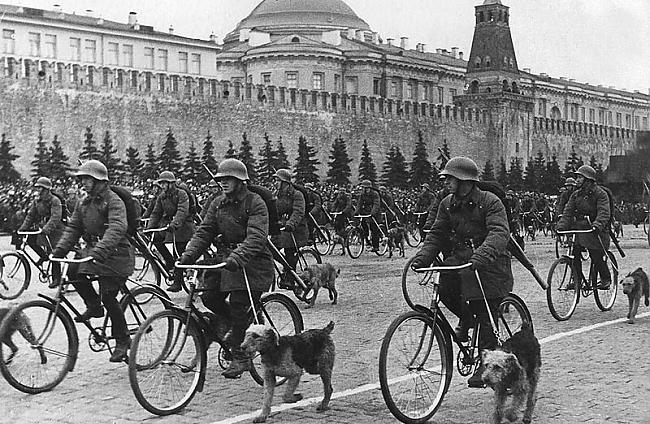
99 191
236 196
470 198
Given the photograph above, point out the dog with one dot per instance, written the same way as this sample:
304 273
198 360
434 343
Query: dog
320 276
512 370
396 239
634 285
618 228
530 233
287 356
23 326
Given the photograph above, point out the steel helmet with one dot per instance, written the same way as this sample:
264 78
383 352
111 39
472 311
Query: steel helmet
283 175
462 168
43 182
93 168
366 183
166 176
570 182
232 168
587 172
426 185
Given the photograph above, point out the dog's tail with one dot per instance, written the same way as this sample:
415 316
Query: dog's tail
329 327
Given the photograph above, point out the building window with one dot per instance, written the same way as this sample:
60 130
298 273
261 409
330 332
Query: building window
74 75
592 115
182 62
376 87
582 114
8 41
488 61
113 54
75 49
424 96
90 76
628 121
393 88
610 121
120 78
147 81
409 90
352 85
127 54
213 88
477 62
645 123
266 79
161 83
162 59
441 95
105 74
619 120
292 79
134 79
91 51
601 116
196 63
50 46
34 44
637 123
148 58
175 83
452 92
317 81
337 83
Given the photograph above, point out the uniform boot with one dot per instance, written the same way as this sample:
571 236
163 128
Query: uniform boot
90 297
241 362
177 285
121 347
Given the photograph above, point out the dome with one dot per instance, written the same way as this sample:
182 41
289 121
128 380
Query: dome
305 16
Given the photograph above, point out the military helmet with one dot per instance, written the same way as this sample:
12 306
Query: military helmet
463 168
587 172
43 182
166 176
93 168
232 168
570 181
283 175
366 183
426 186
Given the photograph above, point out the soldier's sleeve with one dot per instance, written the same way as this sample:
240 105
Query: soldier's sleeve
204 235
603 213
55 216
298 213
156 214
438 235
376 205
115 231
182 209
498 232
317 204
73 230
29 219
567 213
256 233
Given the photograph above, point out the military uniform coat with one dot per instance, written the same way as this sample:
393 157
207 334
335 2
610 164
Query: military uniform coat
227 223
343 203
369 204
45 213
481 218
172 208
291 211
100 220
592 201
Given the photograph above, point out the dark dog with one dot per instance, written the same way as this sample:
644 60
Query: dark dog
288 356
321 275
512 370
634 286
618 228
396 239
22 325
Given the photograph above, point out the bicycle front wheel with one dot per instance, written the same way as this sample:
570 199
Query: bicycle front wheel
146 272
415 367
15 274
418 287
141 303
39 347
562 293
605 296
322 240
167 362
512 316
355 242
413 237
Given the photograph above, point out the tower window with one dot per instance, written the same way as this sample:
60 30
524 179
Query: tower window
512 63
477 62
295 40
488 61
481 17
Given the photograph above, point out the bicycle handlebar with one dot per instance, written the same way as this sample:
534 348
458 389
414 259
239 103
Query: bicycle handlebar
574 231
29 233
419 213
195 266
336 213
72 261
362 216
155 230
440 268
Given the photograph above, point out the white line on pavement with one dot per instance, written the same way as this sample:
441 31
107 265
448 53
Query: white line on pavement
375 386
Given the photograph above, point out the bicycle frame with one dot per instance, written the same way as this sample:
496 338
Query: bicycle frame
146 248
283 261
26 255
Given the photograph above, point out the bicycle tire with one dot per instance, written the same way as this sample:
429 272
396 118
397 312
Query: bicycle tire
418 288
146 272
561 299
179 357
281 313
57 341
512 316
322 240
605 299
355 242
15 275
383 246
413 236
426 385
142 302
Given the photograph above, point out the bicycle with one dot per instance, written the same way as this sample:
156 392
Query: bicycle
168 357
416 355
153 268
338 238
42 362
563 293
307 256
355 240
415 235
321 237
16 271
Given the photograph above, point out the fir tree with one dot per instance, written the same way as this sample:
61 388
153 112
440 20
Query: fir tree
208 159
515 174
539 167
107 155
488 172
444 155
58 161
572 164
230 153
281 157
132 166
530 176
394 172
268 161
8 173
89 150
420 166
502 174
170 157
367 169
192 167
306 163
150 169
41 162
553 177
339 165
246 156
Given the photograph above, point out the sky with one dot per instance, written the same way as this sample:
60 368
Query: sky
601 42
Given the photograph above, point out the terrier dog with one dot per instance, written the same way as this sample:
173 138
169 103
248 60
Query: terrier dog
512 370
396 238
288 356
634 285
530 232
321 275
21 324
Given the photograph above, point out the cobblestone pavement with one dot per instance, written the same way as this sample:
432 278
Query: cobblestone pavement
589 374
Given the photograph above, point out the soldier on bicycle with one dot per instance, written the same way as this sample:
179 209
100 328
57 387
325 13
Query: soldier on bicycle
172 209
342 203
369 204
567 191
472 226
588 207
99 219
237 222
47 212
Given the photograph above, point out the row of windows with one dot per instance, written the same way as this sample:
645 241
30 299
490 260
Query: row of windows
486 62
46 47
596 116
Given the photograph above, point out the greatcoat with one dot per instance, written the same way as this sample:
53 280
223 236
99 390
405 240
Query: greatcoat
172 208
591 201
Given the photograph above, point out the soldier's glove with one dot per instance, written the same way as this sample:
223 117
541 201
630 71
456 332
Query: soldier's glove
231 265
419 262
58 253
289 228
186 260
452 261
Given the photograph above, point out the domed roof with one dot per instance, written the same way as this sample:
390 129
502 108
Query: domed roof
294 15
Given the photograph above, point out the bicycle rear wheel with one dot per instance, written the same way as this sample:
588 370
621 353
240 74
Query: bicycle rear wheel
562 293
415 367
322 240
281 313
43 347
355 242
383 246
418 288
512 316
146 272
167 362
605 297
15 274
141 303
413 236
